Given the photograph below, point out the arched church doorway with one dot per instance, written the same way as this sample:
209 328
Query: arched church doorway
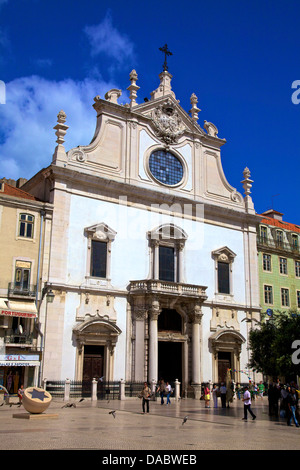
170 361
169 345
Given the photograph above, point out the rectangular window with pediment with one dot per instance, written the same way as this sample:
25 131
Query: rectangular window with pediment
166 263
224 259
99 247
98 259
223 278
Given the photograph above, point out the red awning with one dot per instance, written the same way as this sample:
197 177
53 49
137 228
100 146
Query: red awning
14 308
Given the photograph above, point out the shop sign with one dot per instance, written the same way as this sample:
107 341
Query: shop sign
18 360
18 364
12 313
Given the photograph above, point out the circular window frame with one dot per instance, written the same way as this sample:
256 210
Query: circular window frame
175 154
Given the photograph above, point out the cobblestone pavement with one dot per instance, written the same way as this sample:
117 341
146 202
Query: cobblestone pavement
90 426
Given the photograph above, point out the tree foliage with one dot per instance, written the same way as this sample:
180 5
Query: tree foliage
271 345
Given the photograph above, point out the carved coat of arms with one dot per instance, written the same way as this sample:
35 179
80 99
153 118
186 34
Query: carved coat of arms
169 126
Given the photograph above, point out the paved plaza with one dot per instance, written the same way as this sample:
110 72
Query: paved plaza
91 426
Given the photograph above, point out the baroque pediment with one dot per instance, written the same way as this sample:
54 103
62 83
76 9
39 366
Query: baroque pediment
169 121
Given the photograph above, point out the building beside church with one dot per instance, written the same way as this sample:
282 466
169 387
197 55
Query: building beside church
279 263
25 230
153 257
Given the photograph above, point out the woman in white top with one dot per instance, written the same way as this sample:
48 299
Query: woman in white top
168 390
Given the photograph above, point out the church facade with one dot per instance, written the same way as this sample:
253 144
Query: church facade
153 253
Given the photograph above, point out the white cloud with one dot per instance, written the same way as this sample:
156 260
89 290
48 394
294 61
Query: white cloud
27 137
104 38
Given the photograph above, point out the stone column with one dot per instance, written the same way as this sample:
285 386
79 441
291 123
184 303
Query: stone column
155 246
122 389
67 390
139 314
177 390
195 318
94 389
180 273
154 311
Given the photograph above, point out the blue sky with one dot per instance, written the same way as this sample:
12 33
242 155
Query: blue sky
239 57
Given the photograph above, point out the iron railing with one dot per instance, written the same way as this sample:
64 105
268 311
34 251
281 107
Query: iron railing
278 245
24 291
18 338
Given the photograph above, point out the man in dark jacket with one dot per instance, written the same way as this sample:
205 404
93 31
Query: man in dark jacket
292 401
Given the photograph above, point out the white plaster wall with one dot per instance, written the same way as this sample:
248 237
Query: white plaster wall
69 350
206 356
130 258
244 357
120 351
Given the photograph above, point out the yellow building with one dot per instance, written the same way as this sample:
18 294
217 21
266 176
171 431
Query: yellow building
25 224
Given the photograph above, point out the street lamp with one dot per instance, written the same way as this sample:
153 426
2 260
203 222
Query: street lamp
48 293
50 296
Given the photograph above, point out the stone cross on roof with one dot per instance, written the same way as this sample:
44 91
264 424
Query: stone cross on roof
166 52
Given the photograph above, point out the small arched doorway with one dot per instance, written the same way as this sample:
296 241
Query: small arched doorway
96 341
226 347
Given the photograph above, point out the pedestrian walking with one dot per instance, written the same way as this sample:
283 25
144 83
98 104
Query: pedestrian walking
283 402
239 390
207 395
168 392
274 393
223 394
161 389
21 393
215 393
261 389
145 395
247 404
292 402
229 394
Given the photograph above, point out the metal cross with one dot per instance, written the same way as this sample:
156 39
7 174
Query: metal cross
166 52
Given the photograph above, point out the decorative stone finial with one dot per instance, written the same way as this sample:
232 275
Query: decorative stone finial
61 117
133 88
61 127
247 182
247 185
211 129
195 110
164 87
113 95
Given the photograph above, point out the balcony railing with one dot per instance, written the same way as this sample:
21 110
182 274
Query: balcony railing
167 287
18 339
15 289
277 245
